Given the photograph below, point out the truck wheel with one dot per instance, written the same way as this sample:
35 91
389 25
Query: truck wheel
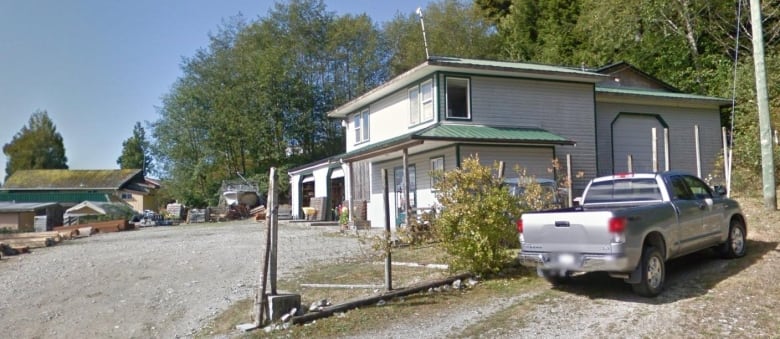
555 277
734 247
653 270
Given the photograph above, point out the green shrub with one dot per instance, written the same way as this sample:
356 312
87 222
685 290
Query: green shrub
477 222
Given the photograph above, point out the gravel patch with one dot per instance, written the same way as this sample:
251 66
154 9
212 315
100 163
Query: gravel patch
160 282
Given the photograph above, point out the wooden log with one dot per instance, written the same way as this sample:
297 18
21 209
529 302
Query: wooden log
325 312
30 242
86 231
26 235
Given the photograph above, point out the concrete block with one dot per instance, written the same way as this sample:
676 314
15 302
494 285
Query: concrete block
281 304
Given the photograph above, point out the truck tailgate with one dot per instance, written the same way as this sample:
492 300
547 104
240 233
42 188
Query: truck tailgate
573 232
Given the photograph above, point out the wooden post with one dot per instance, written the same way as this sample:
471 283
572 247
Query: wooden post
352 180
260 299
273 224
666 150
630 163
501 170
406 187
698 150
726 162
569 180
386 206
654 141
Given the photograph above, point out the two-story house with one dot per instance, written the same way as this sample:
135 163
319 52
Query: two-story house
447 109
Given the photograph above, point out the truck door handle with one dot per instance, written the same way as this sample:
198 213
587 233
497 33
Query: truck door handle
562 224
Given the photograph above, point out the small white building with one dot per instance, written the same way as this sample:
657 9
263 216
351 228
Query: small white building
447 109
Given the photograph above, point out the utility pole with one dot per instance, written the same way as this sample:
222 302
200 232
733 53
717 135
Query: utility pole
765 125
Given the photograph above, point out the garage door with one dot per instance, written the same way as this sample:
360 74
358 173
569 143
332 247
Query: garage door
535 160
632 135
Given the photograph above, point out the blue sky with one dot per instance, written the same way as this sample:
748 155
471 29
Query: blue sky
99 66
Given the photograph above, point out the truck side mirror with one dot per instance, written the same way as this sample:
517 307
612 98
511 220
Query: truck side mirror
577 201
720 190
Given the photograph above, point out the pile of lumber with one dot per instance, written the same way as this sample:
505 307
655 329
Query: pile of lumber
258 213
97 227
16 243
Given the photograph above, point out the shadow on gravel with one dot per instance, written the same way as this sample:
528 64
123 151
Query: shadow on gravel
687 277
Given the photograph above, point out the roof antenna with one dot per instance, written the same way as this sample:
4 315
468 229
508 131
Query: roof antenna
425 40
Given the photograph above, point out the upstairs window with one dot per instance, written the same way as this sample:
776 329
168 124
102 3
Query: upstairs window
421 103
426 98
414 106
361 127
458 105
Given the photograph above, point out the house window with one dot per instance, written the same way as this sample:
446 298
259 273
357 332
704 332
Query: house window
414 106
125 196
421 103
437 166
458 106
426 94
361 127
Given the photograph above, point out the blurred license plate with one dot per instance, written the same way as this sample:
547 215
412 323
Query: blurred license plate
565 259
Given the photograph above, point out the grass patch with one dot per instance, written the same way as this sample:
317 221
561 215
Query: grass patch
364 271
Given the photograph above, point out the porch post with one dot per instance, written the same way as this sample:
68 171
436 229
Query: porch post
406 186
350 190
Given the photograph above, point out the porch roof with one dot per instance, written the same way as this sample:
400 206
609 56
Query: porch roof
461 133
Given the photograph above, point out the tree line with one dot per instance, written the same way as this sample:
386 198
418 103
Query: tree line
257 96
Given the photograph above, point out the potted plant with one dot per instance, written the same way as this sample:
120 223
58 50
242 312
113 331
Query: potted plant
344 218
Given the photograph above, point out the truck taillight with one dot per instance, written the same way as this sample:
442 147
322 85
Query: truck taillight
617 225
519 225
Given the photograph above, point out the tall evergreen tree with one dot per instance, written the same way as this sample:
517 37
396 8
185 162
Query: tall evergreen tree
37 145
136 151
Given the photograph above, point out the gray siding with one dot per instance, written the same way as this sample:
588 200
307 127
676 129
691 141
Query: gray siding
681 123
632 134
534 160
566 109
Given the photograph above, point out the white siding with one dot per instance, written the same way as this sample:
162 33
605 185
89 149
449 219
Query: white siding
295 191
388 118
425 196
681 123
566 109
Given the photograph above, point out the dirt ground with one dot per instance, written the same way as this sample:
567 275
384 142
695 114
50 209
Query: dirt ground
167 282
160 282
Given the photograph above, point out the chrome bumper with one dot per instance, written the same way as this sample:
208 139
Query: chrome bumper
580 262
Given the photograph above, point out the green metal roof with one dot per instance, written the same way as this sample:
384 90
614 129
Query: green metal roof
492 134
509 66
466 133
60 197
660 94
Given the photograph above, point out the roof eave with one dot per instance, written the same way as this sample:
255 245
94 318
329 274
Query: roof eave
442 65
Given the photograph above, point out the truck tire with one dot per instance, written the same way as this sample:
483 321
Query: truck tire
555 277
653 273
734 247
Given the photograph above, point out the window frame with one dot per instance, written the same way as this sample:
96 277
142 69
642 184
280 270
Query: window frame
434 161
361 126
421 102
467 98
414 105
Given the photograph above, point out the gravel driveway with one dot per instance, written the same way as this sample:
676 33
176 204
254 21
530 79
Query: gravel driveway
155 282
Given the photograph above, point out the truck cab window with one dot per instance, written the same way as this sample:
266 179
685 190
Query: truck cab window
679 190
699 189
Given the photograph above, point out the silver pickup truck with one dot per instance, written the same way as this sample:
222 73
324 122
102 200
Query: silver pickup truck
629 225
